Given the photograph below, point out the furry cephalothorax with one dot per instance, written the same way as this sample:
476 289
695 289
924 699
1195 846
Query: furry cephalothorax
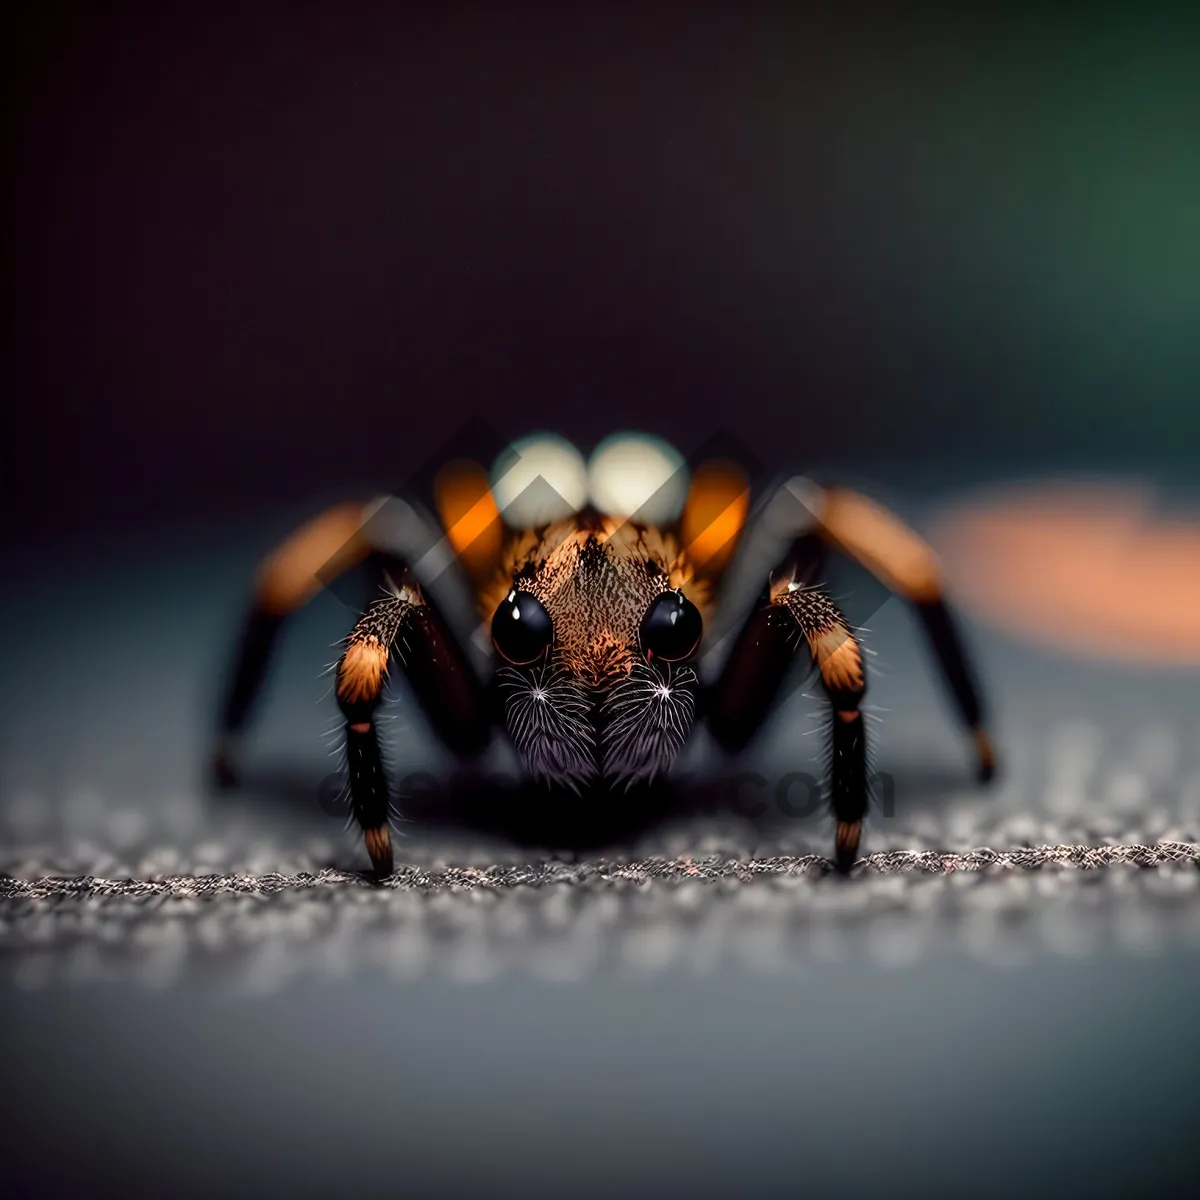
599 705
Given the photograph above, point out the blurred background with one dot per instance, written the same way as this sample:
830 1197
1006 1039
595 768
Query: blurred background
263 252
268 256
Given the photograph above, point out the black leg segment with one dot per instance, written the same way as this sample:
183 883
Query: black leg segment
402 628
793 618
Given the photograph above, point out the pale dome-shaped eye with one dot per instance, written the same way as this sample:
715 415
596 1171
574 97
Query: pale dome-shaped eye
538 480
671 628
636 475
521 628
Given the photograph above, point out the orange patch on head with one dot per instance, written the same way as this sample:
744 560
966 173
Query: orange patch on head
469 515
1083 568
714 514
838 656
362 671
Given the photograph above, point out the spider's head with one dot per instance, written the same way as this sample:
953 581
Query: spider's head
596 642
596 578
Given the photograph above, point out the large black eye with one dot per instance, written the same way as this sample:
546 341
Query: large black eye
672 627
521 628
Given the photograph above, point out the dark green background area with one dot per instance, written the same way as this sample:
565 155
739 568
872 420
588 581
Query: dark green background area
1013 217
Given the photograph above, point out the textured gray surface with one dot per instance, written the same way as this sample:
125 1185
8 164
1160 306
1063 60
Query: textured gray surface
689 1020
574 921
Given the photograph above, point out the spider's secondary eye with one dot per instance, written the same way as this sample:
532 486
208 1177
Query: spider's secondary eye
672 627
521 628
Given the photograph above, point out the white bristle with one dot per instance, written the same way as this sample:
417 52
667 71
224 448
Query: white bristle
636 475
538 479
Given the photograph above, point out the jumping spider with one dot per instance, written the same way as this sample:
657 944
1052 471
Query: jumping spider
603 583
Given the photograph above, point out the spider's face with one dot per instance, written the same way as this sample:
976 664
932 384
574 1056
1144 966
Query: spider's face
595 641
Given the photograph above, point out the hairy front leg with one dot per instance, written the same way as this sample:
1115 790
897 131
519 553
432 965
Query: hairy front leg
798 618
362 674
838 658
906 564
403 628
803 517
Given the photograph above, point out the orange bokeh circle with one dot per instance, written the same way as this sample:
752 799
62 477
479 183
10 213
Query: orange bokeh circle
1086 568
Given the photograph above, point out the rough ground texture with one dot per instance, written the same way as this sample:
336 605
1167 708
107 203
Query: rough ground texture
571 920
734 987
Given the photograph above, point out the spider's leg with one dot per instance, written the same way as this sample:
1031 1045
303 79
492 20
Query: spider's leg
402 628
397 540
906 564
743 695
793 614
288 578
802 513
361 675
